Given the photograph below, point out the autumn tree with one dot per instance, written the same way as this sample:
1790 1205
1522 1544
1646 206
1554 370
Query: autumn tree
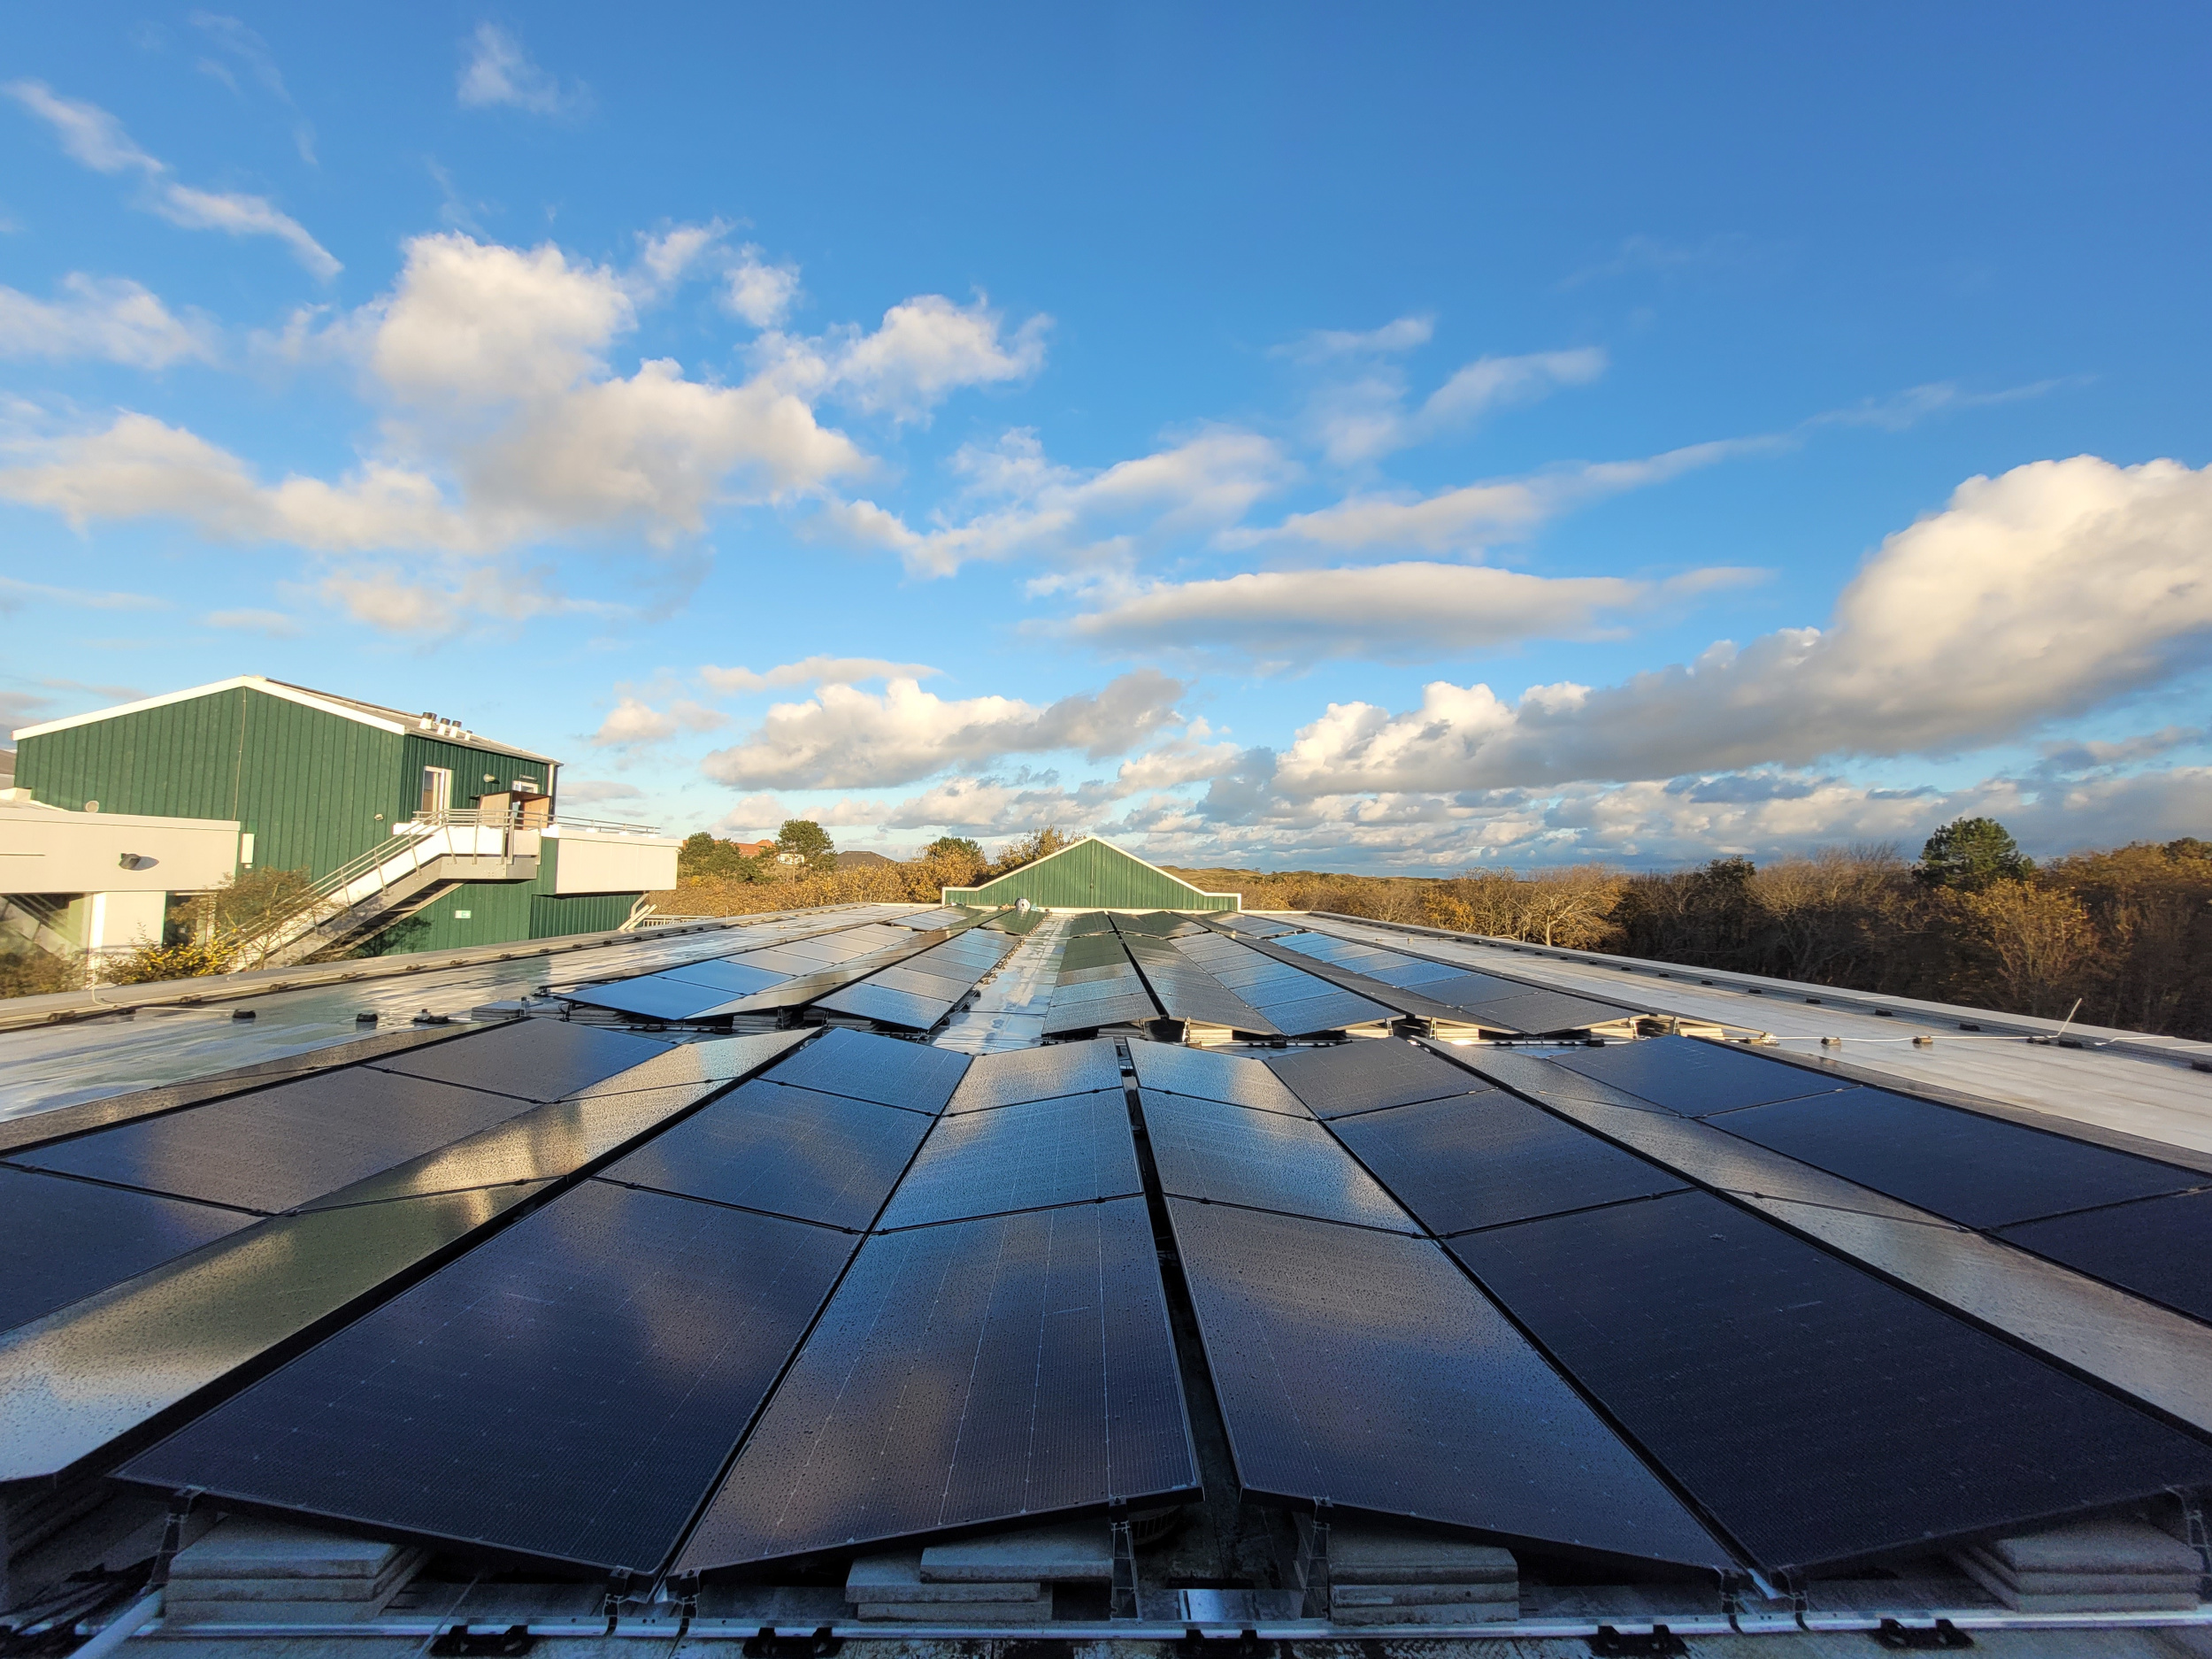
1967 854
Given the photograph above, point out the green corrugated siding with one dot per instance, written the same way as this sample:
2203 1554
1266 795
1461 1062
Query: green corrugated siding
1094 875
314 790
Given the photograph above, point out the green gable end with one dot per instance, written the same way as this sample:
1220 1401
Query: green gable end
1093 875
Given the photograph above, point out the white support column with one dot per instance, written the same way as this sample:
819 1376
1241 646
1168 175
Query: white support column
123 921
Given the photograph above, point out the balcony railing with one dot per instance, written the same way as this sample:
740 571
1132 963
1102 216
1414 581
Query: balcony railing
517 817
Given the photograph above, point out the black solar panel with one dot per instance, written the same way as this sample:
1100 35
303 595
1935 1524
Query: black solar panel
1130 1008
544 1143
1223 1077
1232 1155
1023 1156
1758 1369
2161 1247
1542 1077
979 1371
1367 1075
909 1010
713 1060
569 1389
1188 992
819 1157
67 1239
1067 1067
1540 1012
1363 1368
1481 1160
1329 1010
1981 1171
1693 1077
887 1070
533 1059
653 996
732 978
281 1147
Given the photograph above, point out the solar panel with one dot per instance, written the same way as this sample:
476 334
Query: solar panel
68 1239
1232 1154
281 1147
159 1338
2157 1247
713 1060
979 1371
545 1143
1464 989
1412 972
569 1389
1368 1075
1363 1368
1544 1078
652 996
1073 1150
791 1151
1693 1077
907 1010
887 1070
1130 1008
1331 1010
1188 992
531 1059
1539 1012
1981 1171
1757 1368
1066 1068
1223 1077
1482 1159
732 978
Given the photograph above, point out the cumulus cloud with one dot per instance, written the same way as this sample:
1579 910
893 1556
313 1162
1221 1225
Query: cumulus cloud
846 738
498 72
494 362
1478 515
1402 612
632 724
2046 592
1030 508
760 293
839 671
95 138
926 349
110 318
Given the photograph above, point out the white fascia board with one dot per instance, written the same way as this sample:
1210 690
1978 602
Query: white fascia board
252 682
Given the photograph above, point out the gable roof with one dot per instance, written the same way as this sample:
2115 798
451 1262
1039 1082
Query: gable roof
1093 874
377 715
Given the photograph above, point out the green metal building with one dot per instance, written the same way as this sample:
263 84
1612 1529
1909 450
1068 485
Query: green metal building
1094 875
317 782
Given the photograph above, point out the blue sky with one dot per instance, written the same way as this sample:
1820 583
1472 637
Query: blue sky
1290 438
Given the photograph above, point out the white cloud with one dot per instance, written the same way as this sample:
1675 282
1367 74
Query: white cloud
845 737
446 605
760 293
109 318
1475 515
2049 591
926 349
270 624
672 256
1400 334
1361 420
753 817
242 44
495 362
96 139
631 723
838 671
1403 613
498 71
1047 512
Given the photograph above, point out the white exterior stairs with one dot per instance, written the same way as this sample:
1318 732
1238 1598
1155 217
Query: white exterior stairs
421 863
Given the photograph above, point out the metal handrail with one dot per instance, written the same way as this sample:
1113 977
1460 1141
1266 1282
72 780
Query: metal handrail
512 818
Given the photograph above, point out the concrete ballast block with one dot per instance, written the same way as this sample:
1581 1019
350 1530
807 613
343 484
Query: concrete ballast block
242 1548
1081 1552
956 1613
897 1579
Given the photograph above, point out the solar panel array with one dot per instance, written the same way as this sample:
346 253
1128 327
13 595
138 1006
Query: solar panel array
1099 986
570 1293
2135 1222
718 986
1296 1003
1483 999
920 991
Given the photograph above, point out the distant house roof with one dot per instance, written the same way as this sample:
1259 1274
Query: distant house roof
376 714
855 859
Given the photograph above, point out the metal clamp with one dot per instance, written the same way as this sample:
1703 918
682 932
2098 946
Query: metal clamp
1900 1637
